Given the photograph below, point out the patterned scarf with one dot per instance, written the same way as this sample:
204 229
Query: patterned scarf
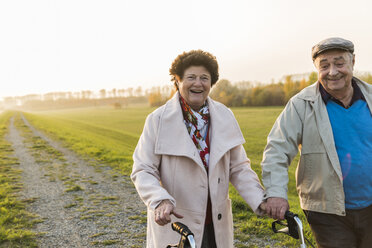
197 126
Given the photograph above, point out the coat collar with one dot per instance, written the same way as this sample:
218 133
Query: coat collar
173 138
312 93
366 91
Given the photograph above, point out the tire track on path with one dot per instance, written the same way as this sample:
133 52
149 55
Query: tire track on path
82 203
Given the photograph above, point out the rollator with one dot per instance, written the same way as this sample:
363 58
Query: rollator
292 227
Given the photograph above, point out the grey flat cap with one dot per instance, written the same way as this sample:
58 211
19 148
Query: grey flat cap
332 43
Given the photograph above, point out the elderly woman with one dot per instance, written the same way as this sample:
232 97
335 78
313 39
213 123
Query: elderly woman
189 151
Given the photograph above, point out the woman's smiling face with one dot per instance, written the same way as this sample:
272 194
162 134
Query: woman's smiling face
195 86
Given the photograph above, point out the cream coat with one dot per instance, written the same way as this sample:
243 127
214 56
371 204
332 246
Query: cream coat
304 123
167 166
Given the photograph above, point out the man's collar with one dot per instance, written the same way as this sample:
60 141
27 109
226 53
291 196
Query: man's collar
357 94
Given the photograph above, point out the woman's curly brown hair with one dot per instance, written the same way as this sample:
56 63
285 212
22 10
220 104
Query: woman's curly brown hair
194 58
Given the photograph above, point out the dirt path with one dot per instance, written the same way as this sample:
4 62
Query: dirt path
79 203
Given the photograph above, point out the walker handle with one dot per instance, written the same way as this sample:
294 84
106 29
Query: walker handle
181 229
290 228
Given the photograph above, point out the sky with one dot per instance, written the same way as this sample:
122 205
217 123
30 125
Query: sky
74 45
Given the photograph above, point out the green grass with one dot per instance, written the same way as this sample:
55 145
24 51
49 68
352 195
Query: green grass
15 222
105 134
111 135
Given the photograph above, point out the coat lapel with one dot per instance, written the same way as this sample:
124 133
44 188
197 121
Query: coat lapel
173 138
224 131
325 131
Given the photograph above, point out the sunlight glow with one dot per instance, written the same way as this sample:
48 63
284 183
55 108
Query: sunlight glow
74 45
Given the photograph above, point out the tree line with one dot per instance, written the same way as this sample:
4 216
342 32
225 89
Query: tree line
239 94
247 93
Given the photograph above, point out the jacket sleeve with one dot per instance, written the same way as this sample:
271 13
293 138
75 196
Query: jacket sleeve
282 146
244 179
145 173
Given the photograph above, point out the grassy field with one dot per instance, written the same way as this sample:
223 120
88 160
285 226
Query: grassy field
105 134
110 135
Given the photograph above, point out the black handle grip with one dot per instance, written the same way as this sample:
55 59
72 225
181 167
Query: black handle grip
289 215
291 228
181 229
292 224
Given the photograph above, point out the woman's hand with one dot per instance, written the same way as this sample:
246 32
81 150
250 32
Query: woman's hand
163 212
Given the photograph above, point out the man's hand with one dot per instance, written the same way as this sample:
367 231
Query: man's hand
263 206
163 212
276 207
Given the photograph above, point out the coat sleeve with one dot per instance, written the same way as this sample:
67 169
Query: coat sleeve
282 146
244 179
145 173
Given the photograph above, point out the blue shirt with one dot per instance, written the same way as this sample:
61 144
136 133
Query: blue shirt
352 131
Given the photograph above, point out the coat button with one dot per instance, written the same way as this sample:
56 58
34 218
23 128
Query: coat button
219 216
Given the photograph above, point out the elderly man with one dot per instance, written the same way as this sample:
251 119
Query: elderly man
331 123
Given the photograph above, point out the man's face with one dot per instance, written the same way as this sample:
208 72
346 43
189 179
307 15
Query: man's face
335 70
